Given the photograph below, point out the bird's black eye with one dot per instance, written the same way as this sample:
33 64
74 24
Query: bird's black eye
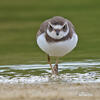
50 28
64 28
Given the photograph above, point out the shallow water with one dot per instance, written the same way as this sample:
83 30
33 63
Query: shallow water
71 72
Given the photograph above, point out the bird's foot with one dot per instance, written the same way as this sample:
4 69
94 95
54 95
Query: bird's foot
55 69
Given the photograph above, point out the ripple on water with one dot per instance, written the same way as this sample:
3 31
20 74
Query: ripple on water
73 72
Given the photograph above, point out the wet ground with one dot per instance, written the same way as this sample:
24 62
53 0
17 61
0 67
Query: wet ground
54 91
70 72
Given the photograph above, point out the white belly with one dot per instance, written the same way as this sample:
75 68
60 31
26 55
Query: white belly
57 48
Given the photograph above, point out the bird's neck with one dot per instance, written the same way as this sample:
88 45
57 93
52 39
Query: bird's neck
50 39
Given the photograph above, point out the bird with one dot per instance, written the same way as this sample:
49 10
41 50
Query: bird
56 37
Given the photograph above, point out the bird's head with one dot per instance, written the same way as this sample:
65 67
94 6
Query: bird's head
57 28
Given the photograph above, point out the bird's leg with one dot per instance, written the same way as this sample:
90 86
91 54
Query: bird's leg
55 68
49 62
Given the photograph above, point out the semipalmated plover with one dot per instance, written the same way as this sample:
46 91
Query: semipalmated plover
56 37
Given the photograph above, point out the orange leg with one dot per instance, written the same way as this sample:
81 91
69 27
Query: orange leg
49 62
55 68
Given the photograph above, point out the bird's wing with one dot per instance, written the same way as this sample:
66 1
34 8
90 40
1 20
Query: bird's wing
43 27
71 26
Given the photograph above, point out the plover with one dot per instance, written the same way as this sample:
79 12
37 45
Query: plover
56 37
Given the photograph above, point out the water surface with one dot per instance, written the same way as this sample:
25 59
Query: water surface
72 72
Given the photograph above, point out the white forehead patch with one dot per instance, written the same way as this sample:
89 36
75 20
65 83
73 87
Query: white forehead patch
57 26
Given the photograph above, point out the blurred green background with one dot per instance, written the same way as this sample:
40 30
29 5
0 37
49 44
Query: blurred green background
20 20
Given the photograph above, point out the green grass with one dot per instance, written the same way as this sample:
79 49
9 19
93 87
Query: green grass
20 20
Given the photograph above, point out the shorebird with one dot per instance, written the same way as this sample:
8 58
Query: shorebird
56 37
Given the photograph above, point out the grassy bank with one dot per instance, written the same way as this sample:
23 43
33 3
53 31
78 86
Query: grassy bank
20 20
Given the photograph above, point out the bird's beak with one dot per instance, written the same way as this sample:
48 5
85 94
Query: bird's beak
57 32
